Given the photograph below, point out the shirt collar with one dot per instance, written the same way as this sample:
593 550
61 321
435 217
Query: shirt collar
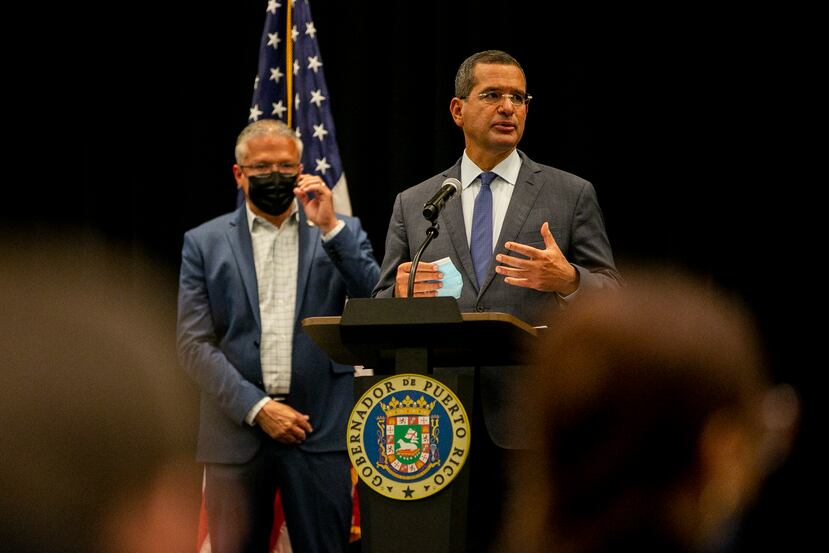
253 217
507 170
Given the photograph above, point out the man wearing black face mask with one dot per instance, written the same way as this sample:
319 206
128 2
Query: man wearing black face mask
273 193
273 405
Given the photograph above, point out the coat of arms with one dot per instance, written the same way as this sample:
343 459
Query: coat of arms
408 436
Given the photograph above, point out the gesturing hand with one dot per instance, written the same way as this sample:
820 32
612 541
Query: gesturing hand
320 208
546 270
283 423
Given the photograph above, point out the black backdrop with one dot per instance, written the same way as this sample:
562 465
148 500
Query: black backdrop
693 124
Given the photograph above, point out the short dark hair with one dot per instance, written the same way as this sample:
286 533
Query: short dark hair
465 77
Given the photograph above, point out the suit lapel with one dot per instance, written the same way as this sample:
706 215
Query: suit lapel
309 241
452 219
238 235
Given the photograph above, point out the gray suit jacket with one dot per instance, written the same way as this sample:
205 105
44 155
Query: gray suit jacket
542 193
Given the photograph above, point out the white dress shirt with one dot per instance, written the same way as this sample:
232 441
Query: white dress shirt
502 187
276 258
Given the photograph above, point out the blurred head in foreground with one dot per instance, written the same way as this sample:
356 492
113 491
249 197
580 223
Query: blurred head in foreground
96 421
655 423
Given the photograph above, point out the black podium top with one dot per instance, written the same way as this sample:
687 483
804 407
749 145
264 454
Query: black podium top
372 331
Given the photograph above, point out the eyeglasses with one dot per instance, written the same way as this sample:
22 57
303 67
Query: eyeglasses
262 168
493 97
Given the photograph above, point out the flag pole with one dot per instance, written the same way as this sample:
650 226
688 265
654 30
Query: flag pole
289 64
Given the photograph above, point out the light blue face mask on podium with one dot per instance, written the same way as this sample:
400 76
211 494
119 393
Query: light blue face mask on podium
452 280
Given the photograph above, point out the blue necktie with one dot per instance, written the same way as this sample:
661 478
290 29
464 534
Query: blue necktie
481 242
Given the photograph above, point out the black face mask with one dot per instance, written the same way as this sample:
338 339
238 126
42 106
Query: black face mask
272 193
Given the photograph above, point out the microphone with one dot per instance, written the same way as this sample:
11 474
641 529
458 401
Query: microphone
449 188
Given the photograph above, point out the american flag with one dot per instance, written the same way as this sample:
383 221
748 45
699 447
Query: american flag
300 99
296 93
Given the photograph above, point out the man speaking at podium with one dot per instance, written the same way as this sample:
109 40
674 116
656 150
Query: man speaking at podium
522 235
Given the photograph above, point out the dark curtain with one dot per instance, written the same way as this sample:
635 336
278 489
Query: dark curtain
695 125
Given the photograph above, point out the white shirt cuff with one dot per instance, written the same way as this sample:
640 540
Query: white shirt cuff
334 231
251 417
569 297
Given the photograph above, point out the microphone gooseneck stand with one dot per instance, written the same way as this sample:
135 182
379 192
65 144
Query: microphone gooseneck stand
431 234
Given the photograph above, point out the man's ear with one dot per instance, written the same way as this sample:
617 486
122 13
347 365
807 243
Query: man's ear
456 109
237 175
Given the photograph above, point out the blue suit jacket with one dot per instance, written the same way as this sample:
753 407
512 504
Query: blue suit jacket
219 331
542 193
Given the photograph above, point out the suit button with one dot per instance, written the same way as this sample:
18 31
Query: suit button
480 308
256 343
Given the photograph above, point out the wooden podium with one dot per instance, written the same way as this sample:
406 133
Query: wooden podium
413 336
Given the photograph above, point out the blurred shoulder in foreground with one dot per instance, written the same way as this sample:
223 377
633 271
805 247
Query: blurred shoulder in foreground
97 420
655 422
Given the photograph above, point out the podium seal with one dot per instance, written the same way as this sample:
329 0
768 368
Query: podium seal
408 436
